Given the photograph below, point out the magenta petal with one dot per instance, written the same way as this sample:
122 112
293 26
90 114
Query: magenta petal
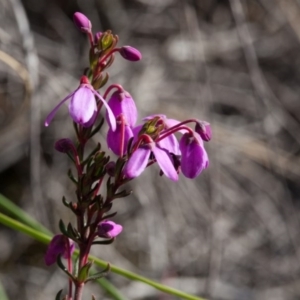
82 105
136 130
122 103
53 112
172 122
109 229
165 163
170 144
110 116
194 158
153 116
114 139
91 122
58 246
137 162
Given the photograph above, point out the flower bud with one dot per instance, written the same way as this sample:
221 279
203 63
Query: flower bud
204 130
82 22
111 168
97 37
109 229
64 145
130 53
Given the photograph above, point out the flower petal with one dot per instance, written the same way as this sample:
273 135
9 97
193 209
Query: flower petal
137 162
55 109
82 105
110 115
194 158
114 139
57 247
170 144
122 103
109 229
165 162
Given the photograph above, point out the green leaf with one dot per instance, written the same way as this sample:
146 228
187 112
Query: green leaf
62 267
99 274
84 272
58 295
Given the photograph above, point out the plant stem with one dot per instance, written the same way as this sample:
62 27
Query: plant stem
78 291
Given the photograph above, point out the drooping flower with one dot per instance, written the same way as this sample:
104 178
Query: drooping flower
194 158
83 106
122 103
169 142
117 140
139 159
82 22
59 245
109 229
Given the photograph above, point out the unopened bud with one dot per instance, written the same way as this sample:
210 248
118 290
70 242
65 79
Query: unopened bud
82 22
130 53
97 37
204 130
64 145
111 168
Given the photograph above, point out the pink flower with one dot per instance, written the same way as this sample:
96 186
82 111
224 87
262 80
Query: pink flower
59 245
122 103
109 229
117 140
139 159
83 106
194 158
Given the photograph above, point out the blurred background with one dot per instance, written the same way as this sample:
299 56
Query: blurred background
232 233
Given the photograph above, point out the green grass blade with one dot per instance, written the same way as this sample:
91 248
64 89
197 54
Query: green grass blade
110 289
44 238
21 215
3 295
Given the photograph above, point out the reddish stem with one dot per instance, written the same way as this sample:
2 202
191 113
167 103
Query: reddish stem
70 269
113 86
78 291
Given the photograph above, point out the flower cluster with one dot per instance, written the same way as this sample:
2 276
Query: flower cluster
170 143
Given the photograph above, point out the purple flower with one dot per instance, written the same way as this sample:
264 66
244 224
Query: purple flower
109 229
117 140
170 142
194 158
59 245
122 103
139 159
82 22
204 130
83 106
130 53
